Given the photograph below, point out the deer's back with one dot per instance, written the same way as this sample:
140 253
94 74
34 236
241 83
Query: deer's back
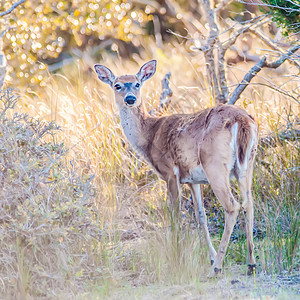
188 141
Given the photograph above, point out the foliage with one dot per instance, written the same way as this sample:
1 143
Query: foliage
42 30
286 14
276 187
46 209
41 33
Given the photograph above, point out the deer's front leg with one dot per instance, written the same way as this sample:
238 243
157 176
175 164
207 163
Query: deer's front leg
174 191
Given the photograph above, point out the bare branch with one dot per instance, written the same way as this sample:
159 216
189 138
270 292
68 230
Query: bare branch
248 77
215 62
279 90
221 55
4 13
259 3
283 58
259 20
268 41
254 70
222 48
208 50
222 73
221 5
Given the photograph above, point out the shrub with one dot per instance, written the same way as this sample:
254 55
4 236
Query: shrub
47 218
285 14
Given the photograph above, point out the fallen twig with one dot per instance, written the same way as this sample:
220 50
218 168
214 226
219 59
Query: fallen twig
273 140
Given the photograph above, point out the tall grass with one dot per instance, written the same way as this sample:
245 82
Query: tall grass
277 190
120 235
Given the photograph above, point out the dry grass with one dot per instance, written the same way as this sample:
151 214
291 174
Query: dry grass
117 243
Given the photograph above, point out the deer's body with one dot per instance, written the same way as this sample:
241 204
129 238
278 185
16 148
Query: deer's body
206 147
183 140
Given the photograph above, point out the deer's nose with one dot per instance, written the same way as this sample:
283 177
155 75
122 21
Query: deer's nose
130 99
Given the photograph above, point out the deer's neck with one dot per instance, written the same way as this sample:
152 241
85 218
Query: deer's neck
136 124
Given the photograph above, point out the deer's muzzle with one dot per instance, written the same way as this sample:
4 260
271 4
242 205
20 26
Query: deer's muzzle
130 99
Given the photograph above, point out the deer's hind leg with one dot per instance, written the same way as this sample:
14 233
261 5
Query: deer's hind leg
244 179
218 177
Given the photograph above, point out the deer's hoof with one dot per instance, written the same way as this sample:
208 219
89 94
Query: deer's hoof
214 272
251 270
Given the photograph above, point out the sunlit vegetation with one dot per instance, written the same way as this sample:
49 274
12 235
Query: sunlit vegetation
44 30
286 14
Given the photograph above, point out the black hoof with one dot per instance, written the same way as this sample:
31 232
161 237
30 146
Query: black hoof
212 262
217 271
251 269
214 273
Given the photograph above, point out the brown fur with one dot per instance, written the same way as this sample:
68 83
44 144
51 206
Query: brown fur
179 139
127 78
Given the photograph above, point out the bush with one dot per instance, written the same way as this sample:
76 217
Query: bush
285 14
47 218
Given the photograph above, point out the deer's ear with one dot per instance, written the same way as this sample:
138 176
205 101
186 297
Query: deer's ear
105 74
146 71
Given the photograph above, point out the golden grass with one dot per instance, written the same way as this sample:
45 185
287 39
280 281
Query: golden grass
136 248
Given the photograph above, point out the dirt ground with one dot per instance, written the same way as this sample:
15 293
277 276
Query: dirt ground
225 287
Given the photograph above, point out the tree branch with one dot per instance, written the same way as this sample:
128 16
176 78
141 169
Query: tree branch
254 70
259 3
283 92
273 140
4 13
222 73
222 48
248 77
283 58
268 41
257 21
221 5
208 50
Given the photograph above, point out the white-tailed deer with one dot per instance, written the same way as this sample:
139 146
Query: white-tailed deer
210 146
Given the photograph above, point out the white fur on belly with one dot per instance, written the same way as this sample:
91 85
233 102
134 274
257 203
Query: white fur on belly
196 175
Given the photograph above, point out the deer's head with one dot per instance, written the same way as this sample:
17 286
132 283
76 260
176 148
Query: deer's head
127 87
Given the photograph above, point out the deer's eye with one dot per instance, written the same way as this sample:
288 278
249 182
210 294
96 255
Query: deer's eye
137 85
117 87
